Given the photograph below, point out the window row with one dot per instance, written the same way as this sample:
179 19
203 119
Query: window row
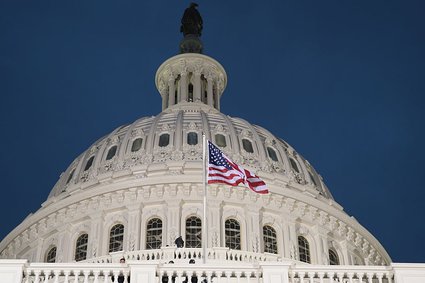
304 252
193 240
193 237
191 139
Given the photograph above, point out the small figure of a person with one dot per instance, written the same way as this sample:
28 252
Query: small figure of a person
179 242
121 278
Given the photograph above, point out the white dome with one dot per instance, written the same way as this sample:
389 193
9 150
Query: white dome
134 150
152 168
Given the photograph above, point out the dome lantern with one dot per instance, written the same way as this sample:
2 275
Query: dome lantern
191 77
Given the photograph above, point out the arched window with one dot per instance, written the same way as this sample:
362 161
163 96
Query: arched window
193 232
220 140
164 140
70 176
111 152
272 154
294 165
137 144
247 145
154 234
270 239
333 257
304 249
89 163
81 247
192 138
232 231
51 255
116 238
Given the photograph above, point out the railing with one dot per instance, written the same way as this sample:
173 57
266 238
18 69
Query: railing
74 272
167 254
333 273
213 271
196 272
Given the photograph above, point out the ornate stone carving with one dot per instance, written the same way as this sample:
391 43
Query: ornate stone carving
350 234
177 155
165 127
137 133
293 252
214 239
219 128
255 244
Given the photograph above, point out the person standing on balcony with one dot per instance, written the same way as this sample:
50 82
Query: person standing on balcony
121 278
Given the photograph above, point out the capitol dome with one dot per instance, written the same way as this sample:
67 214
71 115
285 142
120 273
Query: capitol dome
135 190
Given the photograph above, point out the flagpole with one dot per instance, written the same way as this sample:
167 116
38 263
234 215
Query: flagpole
204 220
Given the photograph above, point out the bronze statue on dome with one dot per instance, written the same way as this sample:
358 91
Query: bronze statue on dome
191 23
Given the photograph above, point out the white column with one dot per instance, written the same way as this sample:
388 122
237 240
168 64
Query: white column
133 227
173 222
286 241
319 234
197 86
95 243
39 254
64 249
210 91
253 228
164 96
346 249
293 239
183 86
214 223
171 92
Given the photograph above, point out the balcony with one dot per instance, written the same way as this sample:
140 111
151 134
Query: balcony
222 266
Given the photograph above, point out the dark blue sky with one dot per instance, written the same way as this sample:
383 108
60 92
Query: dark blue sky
341 81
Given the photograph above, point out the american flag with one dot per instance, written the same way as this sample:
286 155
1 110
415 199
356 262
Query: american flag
222 170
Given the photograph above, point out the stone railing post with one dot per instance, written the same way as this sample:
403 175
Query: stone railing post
409 272
168 253
142 272
220 253
275 272
11 270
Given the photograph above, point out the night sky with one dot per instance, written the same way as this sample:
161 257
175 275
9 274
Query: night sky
343 82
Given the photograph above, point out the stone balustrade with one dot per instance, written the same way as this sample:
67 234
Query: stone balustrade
179 271
73 272
167 254
333 273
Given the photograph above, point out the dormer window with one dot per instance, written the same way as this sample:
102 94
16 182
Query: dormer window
220 140
247 146
111 152
272 154
89 163
294 165
192 138
164 140
137 144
